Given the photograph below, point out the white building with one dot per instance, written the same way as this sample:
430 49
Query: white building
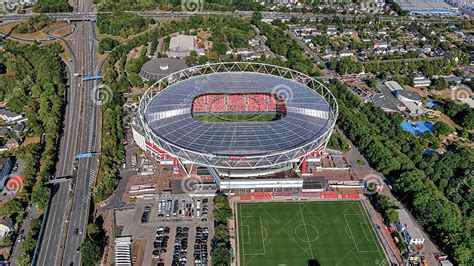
411 100
346 53
123 251
9 117
408 229
421 81
6 227
182 45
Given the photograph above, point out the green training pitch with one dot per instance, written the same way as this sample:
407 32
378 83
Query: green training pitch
222 118
292 234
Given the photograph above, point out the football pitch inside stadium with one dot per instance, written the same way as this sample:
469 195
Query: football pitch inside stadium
297 233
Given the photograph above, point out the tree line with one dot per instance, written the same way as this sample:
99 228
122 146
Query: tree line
121 24
436 189
34 24
34 86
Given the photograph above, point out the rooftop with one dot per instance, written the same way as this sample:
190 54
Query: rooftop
426 6
158 68
406 220
169 115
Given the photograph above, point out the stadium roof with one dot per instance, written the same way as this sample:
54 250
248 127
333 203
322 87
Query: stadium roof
243 138
168 117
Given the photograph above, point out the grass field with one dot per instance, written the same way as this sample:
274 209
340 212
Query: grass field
332 233
238 117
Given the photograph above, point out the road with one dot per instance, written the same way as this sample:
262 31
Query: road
87 45
69 207
157 14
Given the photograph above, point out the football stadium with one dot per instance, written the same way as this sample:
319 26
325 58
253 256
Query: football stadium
248 125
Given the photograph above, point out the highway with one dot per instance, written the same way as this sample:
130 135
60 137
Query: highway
91 15
50 244
69 206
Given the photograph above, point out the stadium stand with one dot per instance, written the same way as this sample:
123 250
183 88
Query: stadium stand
238 103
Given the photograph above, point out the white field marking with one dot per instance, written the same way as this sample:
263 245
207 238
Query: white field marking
250 242
369 236
248 234
357 247
378 244
307 236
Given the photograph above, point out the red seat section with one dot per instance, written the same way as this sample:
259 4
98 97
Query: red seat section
238 103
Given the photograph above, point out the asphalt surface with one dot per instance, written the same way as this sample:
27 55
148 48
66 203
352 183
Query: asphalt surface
82 15
70 204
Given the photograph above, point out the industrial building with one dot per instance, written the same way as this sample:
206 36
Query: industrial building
182 45
433 7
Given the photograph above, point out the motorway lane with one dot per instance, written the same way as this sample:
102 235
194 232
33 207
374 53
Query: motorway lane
90 15
89 142
48 254
81 195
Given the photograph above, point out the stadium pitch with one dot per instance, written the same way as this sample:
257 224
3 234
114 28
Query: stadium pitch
326 233
237 117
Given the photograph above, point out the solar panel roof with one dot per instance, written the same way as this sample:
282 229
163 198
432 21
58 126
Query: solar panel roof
169 115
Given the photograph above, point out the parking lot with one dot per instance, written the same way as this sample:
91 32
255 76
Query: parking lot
178 229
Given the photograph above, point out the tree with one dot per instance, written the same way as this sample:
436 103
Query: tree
12 206
439 84
222 211
392 216
222 232
462 254
90 252
220 255
442 128
256 17
411 181
92 229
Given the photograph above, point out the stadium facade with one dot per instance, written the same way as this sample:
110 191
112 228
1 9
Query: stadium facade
240 155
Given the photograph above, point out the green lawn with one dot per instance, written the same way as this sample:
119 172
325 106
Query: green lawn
332 233
238 117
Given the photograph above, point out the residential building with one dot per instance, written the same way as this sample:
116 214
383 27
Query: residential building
347 31
346 53
6 226
9 117
421 81
380 45
12 144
